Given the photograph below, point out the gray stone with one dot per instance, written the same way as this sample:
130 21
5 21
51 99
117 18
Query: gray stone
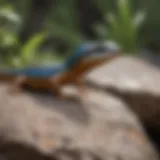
97 126
136 82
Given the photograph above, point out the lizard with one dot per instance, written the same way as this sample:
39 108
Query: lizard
71 71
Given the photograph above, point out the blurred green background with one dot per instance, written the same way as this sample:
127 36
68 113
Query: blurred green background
35 32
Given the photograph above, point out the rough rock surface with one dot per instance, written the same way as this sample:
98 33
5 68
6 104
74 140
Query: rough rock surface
95 127
136 82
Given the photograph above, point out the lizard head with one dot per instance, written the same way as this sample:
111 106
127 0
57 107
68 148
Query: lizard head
94 53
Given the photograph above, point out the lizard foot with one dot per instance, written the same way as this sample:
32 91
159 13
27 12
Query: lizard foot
16 87
65 97
15 90
83 92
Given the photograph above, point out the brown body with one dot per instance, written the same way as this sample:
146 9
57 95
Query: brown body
72 76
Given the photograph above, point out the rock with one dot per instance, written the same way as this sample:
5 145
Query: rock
98 126
136 82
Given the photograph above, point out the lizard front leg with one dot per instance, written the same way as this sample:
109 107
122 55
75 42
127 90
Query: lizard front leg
55 87
81 86
56 90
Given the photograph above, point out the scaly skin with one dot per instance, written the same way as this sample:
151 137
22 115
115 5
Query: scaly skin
74 69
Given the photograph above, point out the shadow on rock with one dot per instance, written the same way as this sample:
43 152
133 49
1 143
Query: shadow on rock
73 109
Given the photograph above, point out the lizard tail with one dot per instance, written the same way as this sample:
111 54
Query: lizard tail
5 75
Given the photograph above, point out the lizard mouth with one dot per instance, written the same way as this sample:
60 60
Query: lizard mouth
100 59
103 57
110 57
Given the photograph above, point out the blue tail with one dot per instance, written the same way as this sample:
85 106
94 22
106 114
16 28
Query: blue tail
48 71
37 72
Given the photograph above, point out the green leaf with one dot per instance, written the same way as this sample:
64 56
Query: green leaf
8 13
9 39
63 23
101 30
139 19
124 10
71 36
29 50
123 26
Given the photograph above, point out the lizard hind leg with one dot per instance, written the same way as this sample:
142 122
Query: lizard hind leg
17 84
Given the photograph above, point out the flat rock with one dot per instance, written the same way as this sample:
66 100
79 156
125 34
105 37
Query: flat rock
136 82
97 126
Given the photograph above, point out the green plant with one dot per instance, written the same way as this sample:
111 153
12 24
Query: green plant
10 22
9 39
62 23
123 27
14 53
27 53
